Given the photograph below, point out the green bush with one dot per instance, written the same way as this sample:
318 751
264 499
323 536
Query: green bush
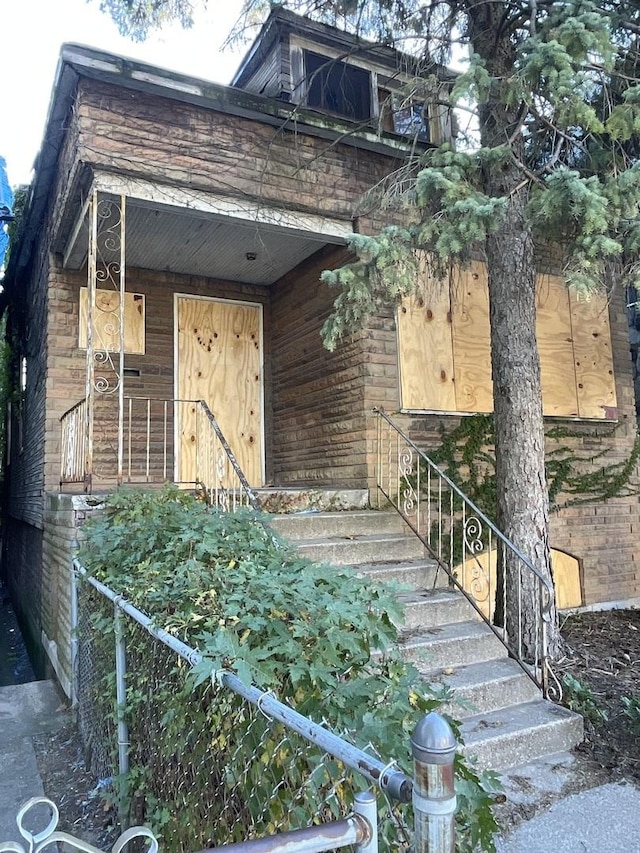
631 710
225 584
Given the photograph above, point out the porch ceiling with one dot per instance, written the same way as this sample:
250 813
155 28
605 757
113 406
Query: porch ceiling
194 242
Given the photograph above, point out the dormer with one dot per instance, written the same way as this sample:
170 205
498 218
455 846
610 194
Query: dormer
322 68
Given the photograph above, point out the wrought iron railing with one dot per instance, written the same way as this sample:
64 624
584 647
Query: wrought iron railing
150 451
74 444
218 472
503 586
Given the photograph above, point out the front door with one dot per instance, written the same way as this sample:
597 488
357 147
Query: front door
219 360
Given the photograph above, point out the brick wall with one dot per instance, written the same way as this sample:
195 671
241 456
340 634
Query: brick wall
318 396
176 143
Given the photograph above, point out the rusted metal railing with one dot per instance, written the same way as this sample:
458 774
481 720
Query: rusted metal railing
323 771
155 441
502 584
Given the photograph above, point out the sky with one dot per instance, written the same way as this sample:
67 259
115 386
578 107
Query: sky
32 33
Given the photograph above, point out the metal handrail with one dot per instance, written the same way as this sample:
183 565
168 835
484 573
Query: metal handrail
437 511
145 453
384 775
244 483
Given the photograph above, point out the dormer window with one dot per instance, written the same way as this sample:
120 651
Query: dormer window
337 87
411 120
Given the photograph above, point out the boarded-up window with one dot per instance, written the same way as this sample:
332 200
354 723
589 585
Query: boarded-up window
106 325
445 361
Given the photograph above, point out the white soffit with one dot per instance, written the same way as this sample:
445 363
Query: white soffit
197 233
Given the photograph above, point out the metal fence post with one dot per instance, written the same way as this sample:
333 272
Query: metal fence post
366 807
433 745
121 700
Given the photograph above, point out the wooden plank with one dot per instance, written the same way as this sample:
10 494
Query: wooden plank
425 348
591 334
566 579
471 340
220 361
478 577
555 346
106 321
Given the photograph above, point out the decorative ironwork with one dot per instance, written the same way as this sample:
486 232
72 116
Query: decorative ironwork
149 442
500 582
105 316
472 532
50 835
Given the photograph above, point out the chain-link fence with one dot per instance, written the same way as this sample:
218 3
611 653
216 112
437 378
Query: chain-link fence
216 763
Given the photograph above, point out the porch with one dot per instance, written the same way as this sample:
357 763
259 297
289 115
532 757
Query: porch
198 330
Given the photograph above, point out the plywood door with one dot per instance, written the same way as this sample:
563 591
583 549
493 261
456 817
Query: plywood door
219 360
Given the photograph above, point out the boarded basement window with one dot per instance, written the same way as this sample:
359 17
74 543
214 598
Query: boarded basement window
106 334
445 362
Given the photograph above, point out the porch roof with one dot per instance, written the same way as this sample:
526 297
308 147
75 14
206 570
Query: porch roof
199 233
77 61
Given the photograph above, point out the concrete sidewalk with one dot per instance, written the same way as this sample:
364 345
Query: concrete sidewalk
568 813
606 818
26 710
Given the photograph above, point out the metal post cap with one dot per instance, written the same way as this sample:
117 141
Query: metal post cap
433 741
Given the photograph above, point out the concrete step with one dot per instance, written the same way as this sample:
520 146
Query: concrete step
351 551
451 645
317 525
505 720
484 686
302 498
520 733
430 608
417 574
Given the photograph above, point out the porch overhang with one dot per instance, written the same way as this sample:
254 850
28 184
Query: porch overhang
193 232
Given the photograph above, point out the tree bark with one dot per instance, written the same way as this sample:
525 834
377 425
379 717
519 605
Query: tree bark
522 494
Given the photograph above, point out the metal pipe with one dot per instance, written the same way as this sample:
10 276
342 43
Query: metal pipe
434 800
366 807
121 700
311 839
393 782
74 636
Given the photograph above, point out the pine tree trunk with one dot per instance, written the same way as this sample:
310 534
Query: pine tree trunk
522 494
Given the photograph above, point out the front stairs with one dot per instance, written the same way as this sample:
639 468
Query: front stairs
505 720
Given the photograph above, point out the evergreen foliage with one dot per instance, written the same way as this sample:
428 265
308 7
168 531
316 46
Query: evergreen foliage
138 18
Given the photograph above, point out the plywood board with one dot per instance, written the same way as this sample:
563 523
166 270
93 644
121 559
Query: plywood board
478 577
106 330
555 346
425 349
592 352
219 360
566 579
471 340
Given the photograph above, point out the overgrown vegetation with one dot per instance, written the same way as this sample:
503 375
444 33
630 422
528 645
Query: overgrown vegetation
223 583
574 475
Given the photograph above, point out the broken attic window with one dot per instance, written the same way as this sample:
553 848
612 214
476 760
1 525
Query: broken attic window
336 87
411 120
